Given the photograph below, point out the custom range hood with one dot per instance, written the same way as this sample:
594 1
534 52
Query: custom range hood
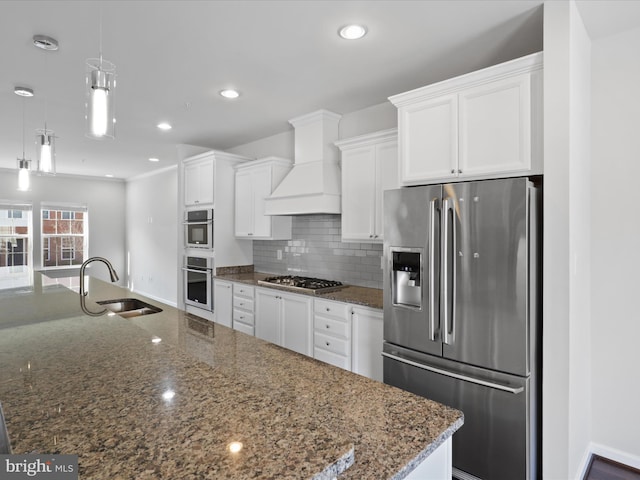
314 183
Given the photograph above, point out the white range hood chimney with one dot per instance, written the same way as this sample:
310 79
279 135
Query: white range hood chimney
314 183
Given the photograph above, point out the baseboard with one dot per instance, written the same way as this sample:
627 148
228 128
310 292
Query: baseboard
607 452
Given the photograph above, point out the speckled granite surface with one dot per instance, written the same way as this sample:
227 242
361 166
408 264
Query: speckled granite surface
94 386
369 297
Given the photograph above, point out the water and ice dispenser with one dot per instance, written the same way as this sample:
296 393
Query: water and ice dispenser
406 277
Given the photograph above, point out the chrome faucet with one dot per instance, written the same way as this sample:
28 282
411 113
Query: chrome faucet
112 272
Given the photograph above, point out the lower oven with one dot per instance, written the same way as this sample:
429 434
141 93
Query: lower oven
198 282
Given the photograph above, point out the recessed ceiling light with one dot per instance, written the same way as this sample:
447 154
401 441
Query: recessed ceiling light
108 175
352 32
164 126
23 91
154 159
230 93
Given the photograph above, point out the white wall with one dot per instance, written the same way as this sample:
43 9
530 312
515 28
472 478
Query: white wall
566 275
370 119
615 231
152 243
104 199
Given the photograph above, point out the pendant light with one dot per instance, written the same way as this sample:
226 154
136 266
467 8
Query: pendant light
45 139
24 165
100 88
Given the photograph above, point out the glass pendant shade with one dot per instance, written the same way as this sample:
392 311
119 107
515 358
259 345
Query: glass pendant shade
100 89
24 180
46 151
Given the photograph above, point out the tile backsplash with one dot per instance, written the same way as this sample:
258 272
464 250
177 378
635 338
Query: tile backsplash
316 250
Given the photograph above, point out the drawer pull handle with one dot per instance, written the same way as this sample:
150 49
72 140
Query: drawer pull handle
241 303
241 317
327 343
327 326
328 309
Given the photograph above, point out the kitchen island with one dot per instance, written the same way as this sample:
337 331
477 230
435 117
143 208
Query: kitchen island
167 395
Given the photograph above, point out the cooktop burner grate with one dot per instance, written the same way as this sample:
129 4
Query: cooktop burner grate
309 284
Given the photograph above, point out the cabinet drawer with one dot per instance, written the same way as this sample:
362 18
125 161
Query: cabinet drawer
243 303
242 316
327 307
241 327
332 326
332 358
333 344
242 290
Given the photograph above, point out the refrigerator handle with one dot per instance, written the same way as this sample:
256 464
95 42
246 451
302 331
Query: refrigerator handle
448 264
458 376
433 256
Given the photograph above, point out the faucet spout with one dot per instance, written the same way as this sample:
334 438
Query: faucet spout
112 272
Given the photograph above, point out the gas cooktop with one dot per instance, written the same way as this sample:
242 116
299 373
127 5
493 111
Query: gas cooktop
307 284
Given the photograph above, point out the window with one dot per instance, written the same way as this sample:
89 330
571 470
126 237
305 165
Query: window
64 235
15 235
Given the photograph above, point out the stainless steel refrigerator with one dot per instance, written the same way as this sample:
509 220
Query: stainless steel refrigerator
461 323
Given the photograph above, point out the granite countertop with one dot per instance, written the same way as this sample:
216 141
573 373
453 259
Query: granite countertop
95 386
368 297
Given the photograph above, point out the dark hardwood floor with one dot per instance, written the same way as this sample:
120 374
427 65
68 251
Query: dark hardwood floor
602 468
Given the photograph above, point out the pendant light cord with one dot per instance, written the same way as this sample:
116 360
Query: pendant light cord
100 32
23 128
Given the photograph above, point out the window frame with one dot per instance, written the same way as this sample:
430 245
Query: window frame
15 212
68 249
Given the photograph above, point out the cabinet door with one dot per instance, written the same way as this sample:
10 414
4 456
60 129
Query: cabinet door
267 318
367 342
223 299
297 332
386 179
495 127
428 136
198 183
244 205
358 193
261 190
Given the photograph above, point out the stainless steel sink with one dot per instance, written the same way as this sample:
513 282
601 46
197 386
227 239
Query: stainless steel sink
129 307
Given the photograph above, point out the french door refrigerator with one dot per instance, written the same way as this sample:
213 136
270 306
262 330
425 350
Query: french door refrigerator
461 315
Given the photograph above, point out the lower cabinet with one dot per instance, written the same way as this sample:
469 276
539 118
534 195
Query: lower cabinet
284 319
367 342
223 302
243 310
332 333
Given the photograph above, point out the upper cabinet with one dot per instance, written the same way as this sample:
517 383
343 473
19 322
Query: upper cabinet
254 182
369 167
199 181
480 125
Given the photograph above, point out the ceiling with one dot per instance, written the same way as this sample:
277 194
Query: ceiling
285 58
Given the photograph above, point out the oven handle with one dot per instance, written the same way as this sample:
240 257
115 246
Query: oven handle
194 270
208 222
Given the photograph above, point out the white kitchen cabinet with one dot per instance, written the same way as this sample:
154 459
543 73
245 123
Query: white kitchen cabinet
369 167
223 302
255 181
199 182
216 169
367 341
485 124
332 332
243 308
268 315
284 319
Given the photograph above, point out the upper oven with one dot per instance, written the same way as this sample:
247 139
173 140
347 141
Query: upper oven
198 227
